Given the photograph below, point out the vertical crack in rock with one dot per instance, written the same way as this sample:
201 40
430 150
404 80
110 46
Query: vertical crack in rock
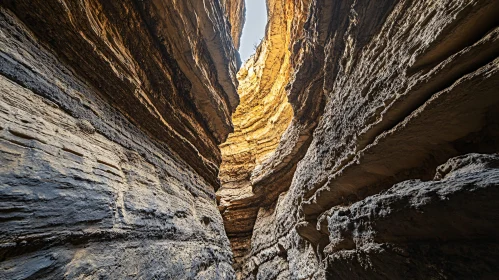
259 123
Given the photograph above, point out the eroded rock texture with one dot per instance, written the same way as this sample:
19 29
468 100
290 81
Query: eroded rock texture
365 145
236 13
382 94
259 122
397 229
111 113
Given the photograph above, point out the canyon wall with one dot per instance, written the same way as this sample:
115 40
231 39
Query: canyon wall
111 113
387 166
360 141
236 13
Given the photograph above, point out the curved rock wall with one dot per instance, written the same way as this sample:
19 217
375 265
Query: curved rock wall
111 113
382 95
259 122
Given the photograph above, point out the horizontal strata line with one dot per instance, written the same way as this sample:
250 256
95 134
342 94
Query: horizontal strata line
158 161
48 91
315 206
48 240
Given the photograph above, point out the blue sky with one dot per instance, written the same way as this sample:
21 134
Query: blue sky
254 27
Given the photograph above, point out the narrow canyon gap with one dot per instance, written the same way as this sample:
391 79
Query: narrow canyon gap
360 141
259 121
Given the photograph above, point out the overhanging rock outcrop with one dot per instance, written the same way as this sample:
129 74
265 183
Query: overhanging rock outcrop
111 113
382 94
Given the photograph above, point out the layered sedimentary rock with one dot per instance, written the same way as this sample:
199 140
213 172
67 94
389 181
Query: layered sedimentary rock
259 122
365 145
382 95
111 113
236 13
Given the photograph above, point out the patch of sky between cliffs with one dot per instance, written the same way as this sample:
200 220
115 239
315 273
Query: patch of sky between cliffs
254 27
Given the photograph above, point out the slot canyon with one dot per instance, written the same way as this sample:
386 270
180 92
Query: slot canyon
359 141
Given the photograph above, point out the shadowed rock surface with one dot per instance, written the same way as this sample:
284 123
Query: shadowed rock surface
111 113
381 93
421 230
236 12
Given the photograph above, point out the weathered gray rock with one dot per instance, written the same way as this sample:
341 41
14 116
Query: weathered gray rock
110 117
381 94
365 147
436 229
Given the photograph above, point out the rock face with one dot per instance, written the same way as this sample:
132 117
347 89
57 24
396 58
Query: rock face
382 95
365 145
111 113
236 12
397 229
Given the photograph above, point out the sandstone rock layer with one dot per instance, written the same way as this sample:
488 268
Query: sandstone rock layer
111 113
236 13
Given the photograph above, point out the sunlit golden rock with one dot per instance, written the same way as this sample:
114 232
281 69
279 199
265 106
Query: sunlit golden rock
259 122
